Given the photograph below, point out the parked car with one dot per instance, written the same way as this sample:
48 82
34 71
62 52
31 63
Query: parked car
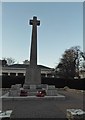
41 93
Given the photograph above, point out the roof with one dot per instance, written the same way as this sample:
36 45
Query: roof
25 66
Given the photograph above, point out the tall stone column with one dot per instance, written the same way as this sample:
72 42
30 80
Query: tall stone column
33 73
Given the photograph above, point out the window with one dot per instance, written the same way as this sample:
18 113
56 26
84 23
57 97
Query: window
12 74
43 75
5 73
20 74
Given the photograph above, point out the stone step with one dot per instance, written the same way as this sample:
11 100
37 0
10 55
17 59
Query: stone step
52 92
32 93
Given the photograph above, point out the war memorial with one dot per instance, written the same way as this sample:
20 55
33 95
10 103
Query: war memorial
51 104
33 75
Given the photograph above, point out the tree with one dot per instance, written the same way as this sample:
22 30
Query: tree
83 60
69 63
9 60
83 55
26 62
4 62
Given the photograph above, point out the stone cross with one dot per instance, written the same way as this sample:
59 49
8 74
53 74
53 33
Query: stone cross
33 73
33 54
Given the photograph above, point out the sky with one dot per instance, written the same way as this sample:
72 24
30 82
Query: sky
61 27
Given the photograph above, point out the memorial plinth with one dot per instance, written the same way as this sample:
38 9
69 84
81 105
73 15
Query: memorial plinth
33 76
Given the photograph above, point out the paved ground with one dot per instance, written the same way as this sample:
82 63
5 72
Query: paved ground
45 108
